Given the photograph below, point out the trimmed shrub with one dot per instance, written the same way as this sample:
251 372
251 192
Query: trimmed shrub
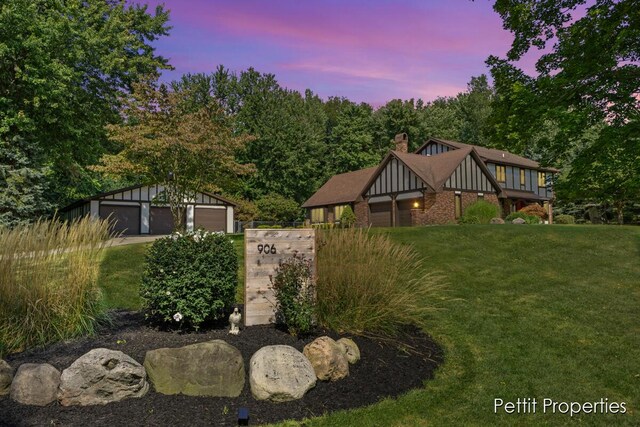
535 210
369 284
189 278
48 282
347 218
294 291
267 226
564 219
480 212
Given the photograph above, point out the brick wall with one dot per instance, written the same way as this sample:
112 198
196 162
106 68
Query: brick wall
361 210
440 208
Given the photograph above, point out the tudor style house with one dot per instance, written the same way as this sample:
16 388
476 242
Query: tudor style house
434 185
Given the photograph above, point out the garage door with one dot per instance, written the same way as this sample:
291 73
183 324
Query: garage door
160 221
404 213
380 215
126 219
211 219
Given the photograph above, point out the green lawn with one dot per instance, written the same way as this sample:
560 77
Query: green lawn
533 311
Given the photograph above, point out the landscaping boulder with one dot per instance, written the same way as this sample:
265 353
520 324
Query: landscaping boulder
327 358
6 376
35 384
280 373
497 220
102 376
518 221
212 368
349 349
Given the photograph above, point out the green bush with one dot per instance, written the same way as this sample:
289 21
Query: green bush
564 219
480 212
275 207
189 278
529 219
347 218
48 282
369 284
294 291
267 226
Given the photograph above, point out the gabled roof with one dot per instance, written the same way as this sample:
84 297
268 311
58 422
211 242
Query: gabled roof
342 188
133 187
433 170
490 154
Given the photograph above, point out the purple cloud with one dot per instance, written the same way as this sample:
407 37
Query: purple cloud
370 51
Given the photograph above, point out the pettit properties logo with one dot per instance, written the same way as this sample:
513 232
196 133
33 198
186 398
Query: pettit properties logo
531 405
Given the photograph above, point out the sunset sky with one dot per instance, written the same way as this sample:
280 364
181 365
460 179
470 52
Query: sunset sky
365 50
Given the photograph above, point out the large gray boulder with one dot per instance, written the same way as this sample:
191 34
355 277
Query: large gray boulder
212 368
328 360
349 349
518 221
280 373
35 384
6 376
102 376
497 220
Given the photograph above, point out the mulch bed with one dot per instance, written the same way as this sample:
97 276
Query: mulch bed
385 370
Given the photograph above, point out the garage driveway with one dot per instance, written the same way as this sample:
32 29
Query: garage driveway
130 240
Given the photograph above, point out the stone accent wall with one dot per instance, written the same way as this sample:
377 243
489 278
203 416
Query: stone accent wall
440 208
361 210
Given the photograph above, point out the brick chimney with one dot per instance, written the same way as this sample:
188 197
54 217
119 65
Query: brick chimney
402 142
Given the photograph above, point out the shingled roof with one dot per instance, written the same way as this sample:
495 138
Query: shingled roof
490 154
342 188
434 170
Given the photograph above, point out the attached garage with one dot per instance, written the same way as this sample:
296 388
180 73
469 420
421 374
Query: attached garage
211 219
380 214
125 219
403 215
136 210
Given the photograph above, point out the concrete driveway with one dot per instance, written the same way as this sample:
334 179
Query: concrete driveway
130 240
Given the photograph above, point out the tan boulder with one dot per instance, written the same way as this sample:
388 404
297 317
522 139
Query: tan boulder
350 349
327 359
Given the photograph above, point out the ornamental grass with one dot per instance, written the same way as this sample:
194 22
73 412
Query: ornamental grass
368 284
48 282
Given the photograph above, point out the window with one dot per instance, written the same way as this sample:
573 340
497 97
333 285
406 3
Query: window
458 206
337 211
317 215
542 179
522 179
501 173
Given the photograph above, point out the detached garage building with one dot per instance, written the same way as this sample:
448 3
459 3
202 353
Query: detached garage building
134 211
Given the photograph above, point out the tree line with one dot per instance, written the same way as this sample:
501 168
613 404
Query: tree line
94 117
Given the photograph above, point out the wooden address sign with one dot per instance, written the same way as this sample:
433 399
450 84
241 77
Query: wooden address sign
263 251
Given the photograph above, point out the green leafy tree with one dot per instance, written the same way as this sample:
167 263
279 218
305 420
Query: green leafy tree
63 66
398 116
275 207
587 83
351 144
185 150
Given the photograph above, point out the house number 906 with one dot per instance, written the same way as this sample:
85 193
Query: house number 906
267 249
